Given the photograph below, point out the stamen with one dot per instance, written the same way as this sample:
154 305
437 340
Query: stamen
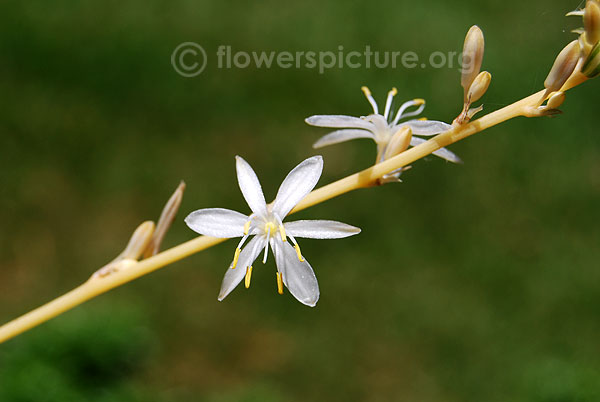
267 246
246 227
236 256
415 102
248 276
369 97
297 247
239 246
422 119
279 283
388 103
281 227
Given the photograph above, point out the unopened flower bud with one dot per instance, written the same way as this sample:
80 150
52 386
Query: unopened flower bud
479 87
472 57
137 245
166 219
591 67
139 241
591 22
556 99
399 142
563 66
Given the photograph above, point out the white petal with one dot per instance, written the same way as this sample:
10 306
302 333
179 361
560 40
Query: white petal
448 155
298 276
442 152
320 229
426 127
299 182
341 136
250 187
217 222
234 276
338 121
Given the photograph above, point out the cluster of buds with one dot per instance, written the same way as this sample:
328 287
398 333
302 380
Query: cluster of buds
474 81
564 65
146 239
581 56
589 38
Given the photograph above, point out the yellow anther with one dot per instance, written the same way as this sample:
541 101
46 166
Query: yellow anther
236 256
279 283
394 91
246 227
419 101
282 233
422 119
248 276
297 247
366 91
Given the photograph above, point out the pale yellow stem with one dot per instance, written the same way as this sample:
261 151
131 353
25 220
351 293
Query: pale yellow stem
366 178
96 286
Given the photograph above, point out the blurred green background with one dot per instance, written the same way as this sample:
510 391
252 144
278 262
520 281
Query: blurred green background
477 282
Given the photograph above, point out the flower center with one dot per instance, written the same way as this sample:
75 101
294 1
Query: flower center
270 227
272 224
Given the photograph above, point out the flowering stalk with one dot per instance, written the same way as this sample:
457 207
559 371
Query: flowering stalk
96 285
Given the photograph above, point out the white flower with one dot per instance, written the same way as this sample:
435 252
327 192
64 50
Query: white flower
382 127
266 225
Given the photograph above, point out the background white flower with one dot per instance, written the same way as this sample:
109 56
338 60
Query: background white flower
381 127
265 223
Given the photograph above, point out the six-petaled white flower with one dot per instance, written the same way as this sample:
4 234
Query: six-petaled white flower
265 223
382 127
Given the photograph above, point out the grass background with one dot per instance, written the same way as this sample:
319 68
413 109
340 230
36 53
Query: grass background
477 282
